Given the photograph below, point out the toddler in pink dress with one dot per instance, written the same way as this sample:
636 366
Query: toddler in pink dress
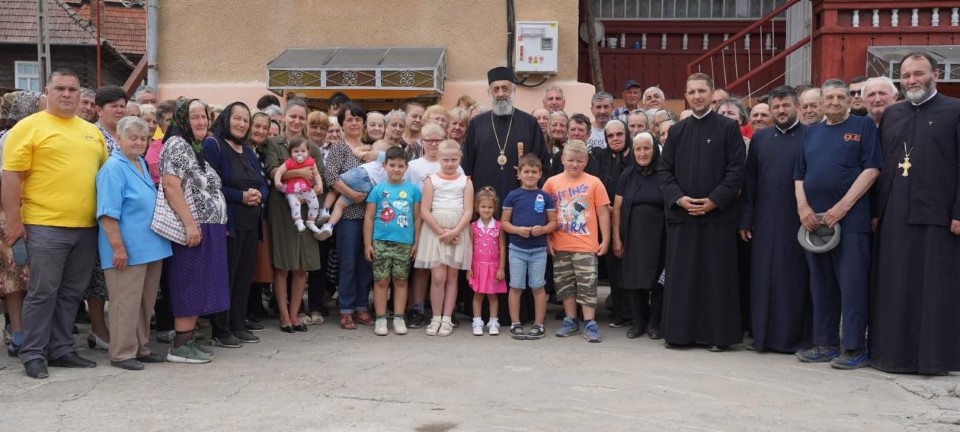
488 268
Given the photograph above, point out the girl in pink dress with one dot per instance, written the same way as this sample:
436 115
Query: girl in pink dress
488 269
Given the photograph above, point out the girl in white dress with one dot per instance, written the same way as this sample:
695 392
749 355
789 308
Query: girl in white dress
445 247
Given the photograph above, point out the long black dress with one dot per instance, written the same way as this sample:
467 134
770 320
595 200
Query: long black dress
915 302
704 159
780 305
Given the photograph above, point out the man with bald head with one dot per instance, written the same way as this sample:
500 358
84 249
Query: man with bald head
653 98
878 94
810 112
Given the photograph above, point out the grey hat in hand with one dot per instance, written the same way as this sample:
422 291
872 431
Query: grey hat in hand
820 240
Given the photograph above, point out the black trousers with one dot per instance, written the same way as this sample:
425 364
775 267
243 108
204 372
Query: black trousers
162 308
241 253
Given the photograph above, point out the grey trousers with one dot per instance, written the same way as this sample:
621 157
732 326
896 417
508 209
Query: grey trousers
61 262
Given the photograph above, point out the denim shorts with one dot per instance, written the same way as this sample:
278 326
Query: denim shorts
527 267
357 179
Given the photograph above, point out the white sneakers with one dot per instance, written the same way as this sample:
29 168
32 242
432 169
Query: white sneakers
493 327
380 326
477 327
399 325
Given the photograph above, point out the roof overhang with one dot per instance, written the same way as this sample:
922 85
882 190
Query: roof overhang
361 73
885 60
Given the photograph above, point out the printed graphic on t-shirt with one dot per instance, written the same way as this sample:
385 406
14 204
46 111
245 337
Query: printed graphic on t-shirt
574 205
389 209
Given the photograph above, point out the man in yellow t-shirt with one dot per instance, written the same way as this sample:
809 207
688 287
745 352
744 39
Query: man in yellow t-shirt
50 165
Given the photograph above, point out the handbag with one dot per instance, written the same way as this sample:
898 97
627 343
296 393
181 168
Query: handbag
165 221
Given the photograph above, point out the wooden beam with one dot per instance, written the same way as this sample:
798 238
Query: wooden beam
136 77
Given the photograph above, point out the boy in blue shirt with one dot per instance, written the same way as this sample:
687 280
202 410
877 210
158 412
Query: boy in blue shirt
391 228
529 214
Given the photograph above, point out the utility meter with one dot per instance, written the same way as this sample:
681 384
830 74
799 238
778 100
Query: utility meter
536 47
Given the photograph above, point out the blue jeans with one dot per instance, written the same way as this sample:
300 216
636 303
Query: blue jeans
356 275
527 267
357 179
61 262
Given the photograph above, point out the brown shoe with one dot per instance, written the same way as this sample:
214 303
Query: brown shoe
346 322
363 317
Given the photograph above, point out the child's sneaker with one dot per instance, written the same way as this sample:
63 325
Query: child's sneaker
300 226
591 332
325 232
493 327
380 326
569 327
477 327
516 332
312 227
399 325
851 360
537 332
434 327
323 217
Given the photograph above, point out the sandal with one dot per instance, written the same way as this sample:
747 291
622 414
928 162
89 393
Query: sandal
305 319
346 322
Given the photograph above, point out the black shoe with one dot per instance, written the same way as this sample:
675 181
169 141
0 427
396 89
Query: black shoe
152 358
286 329
228 341
454 320
635 332
653 333
300 328
246 337
716 348
618 322
35 369
72 360
128 364
254 326
415 318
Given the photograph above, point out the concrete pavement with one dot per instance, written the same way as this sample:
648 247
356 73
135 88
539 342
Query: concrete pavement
333 379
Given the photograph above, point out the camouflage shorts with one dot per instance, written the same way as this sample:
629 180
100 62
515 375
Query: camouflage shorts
575 273
391 259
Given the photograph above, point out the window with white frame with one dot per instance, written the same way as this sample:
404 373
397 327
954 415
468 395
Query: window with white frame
27 75
682 9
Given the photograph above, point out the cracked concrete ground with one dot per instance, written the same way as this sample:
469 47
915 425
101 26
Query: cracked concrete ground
332 379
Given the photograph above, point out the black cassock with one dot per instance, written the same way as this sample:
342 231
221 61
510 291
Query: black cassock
915 298
479 161
780 305
480 149
703 159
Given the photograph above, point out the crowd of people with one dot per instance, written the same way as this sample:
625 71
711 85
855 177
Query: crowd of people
803 221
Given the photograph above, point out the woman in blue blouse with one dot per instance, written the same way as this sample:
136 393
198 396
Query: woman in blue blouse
126 198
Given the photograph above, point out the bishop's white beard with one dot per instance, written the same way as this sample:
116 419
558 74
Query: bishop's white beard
502 107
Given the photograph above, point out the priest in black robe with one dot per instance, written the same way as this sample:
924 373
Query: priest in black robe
915 303
780 308
491 152
701 173
494 136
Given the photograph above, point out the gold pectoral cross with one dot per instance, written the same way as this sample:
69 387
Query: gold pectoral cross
905 165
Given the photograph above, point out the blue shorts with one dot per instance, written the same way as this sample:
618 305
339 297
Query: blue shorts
527 267
357 179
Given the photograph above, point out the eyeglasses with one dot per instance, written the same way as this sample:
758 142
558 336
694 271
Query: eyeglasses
854 93
430 141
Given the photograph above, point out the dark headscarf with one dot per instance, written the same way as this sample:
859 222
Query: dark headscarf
221 127
627 142
632 181
180 126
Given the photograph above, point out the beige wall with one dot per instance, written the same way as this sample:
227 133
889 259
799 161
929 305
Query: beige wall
219 54
232 41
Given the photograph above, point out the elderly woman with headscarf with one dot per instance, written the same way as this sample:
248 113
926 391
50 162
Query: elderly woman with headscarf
639 237
130 252
197 271
14 107
607 163
245 188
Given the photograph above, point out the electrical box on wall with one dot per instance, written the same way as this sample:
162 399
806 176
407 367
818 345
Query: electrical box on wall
536 47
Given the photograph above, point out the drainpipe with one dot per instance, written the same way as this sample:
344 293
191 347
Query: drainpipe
152 43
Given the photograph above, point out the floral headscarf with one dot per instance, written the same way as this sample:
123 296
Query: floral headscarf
180 126
18 105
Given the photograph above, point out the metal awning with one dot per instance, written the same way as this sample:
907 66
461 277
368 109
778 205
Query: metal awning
885 60
361 73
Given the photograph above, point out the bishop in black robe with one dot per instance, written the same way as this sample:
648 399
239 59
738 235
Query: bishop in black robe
780 305
915 303
704 159
480 150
